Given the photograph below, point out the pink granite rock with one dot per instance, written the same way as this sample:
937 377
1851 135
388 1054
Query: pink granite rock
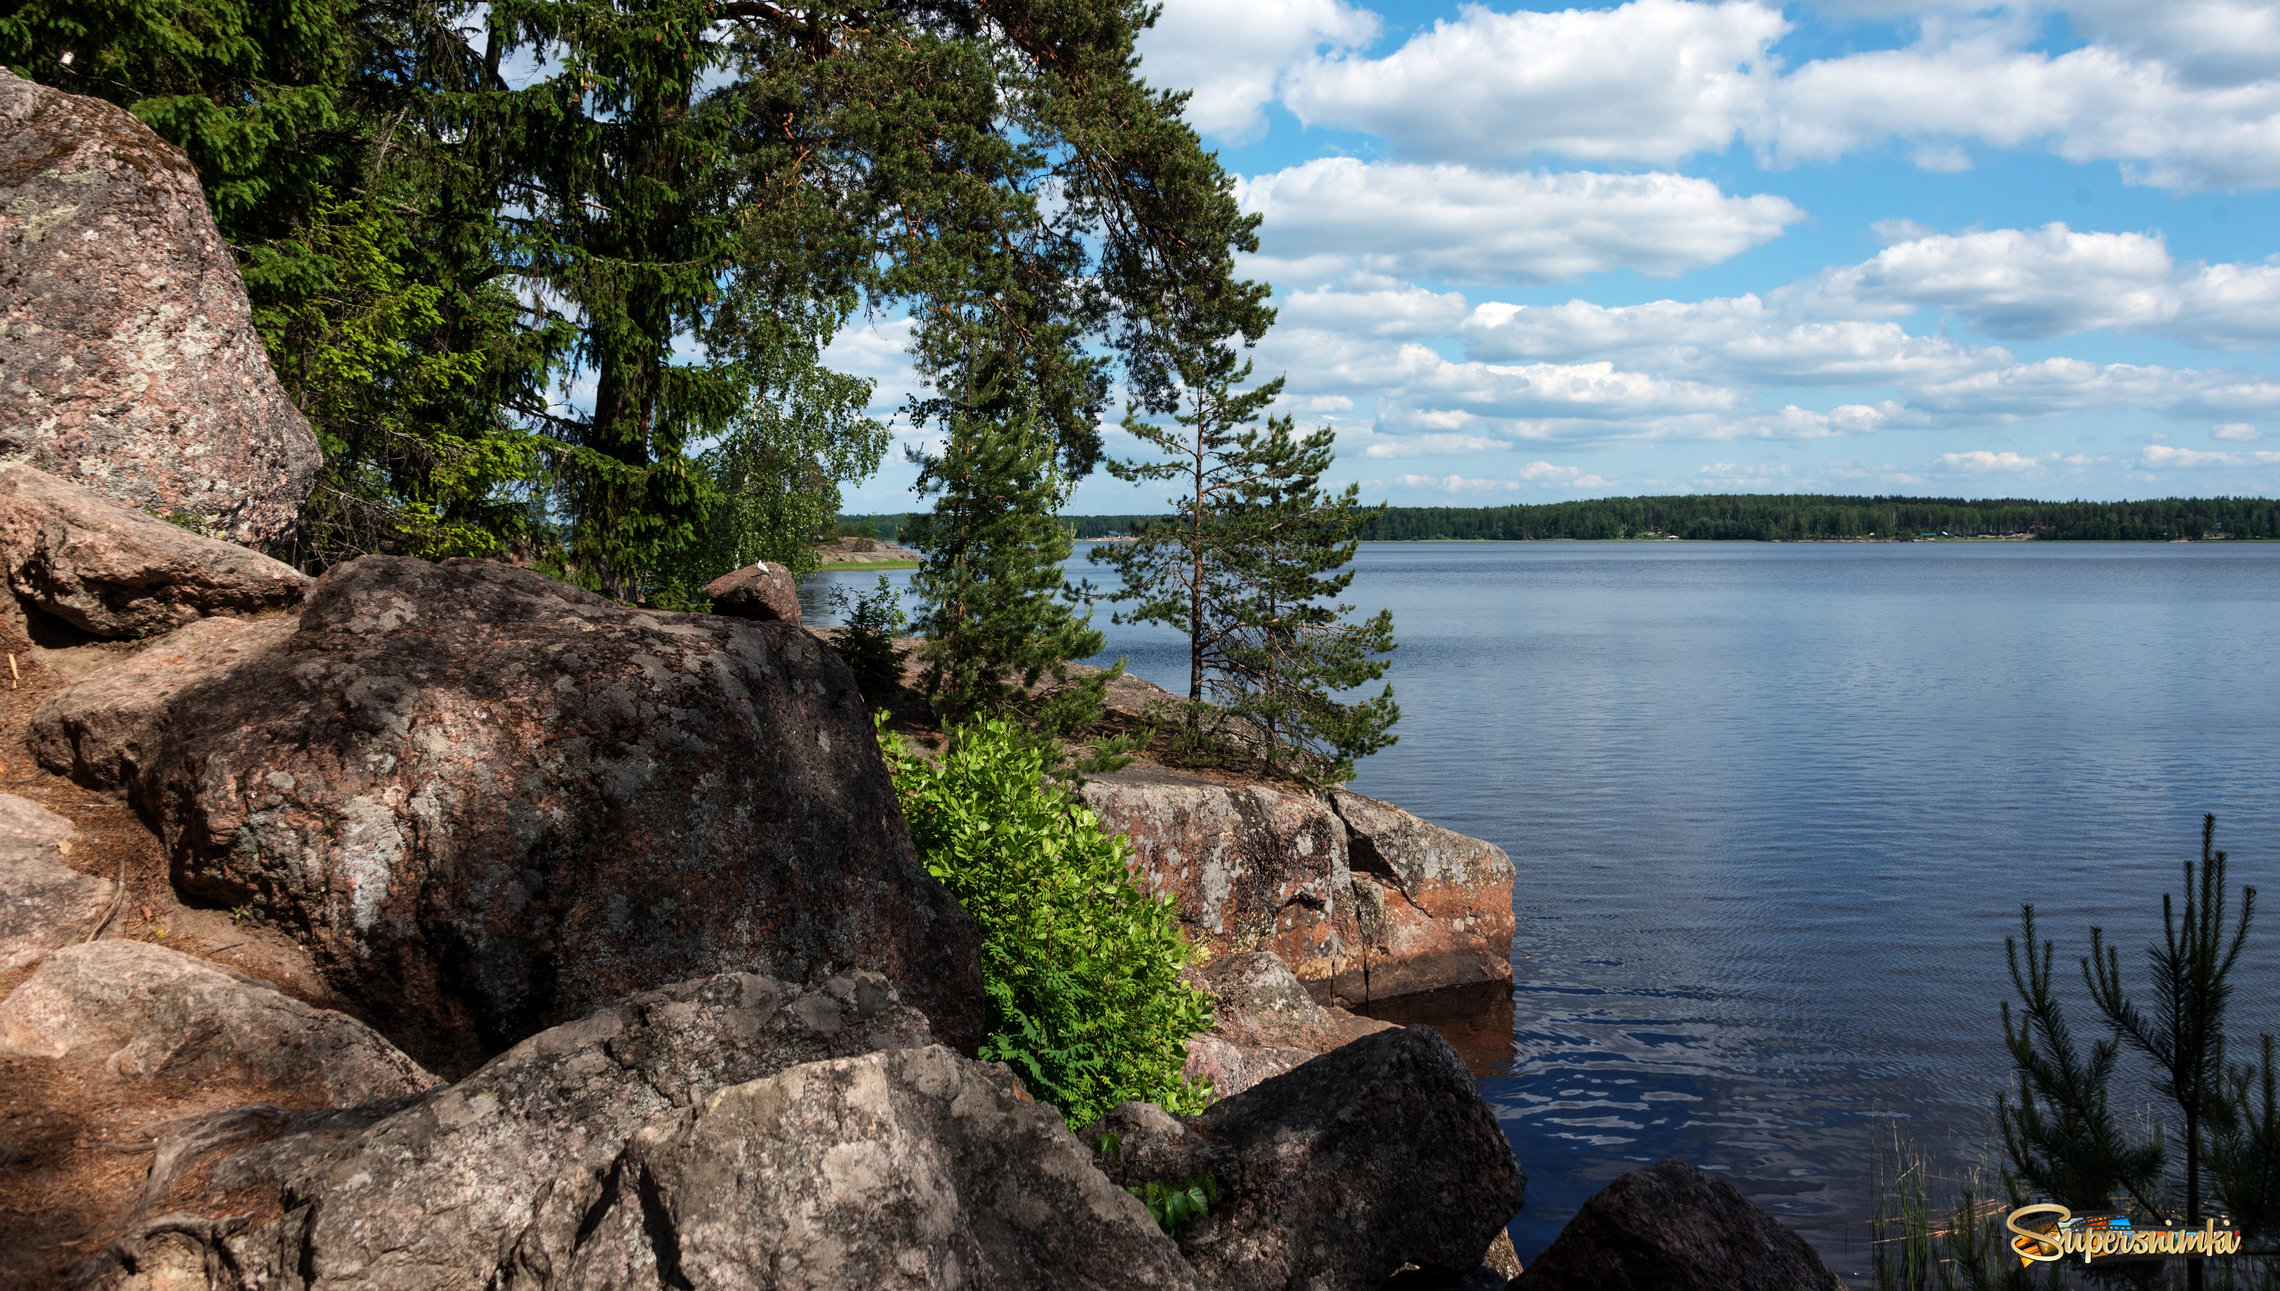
1253 866
128 359
1432 907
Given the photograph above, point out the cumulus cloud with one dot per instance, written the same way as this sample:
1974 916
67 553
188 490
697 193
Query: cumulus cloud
1986 462
878 350
1395 309
2060 385
1453 223
1536 473
1653 80
2154 457
2008 282
1835 328
2238 432
2096 103
1731 476
1230 56
1382 446
1738 338
2181 94
2204 42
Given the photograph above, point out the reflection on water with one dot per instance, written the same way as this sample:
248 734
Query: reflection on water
1774 809
1476 1021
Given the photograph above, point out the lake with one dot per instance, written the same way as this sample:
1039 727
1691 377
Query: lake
1774 808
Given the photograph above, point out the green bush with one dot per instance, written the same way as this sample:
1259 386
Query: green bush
1082 970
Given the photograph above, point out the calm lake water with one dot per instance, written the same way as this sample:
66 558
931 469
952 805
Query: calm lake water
1774 809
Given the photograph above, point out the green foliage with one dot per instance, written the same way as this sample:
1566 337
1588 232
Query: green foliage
579 310
866 642
398 361
1174 1206
1083 971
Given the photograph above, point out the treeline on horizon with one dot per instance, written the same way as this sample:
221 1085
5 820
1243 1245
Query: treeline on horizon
1774 518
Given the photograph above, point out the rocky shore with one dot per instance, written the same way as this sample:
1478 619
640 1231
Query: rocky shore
445 926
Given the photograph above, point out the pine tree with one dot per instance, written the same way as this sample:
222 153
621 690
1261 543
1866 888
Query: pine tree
1295 648
2191 971
1249 567
1175 572
2061 1139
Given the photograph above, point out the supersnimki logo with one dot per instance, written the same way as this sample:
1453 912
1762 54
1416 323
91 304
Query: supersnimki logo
2109 1235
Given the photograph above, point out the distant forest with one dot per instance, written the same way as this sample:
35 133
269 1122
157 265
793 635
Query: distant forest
1777 517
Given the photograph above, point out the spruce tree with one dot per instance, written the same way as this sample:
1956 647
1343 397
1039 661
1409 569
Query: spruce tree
1000 622
589 253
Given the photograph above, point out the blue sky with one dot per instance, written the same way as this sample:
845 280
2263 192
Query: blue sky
1529 253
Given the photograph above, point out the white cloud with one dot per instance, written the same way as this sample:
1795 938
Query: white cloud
1653 80
1231 55
2053 281
1738 475
2238 432
2162 457
2181 94
2009 282
878 349
2205 42
1985 462
2097 103
1730 339
1397 309
1429 445
1456 224
1538 472
2063 385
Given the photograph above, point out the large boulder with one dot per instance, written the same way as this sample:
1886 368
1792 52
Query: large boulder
44 903
1670 1227
489 802
1432 908
493 1179
1334 1175
100 729
728 1132
911 1168
113 571
128 359
1252 866
763 592
146 1013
